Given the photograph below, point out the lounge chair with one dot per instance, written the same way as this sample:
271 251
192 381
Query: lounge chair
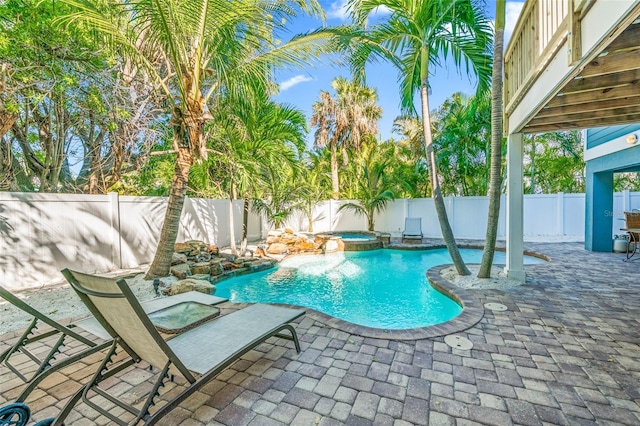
412 229
48 363
198 354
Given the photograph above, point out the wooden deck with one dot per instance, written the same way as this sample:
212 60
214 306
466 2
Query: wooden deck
573 64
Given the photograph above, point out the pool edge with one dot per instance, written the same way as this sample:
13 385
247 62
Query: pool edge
472 313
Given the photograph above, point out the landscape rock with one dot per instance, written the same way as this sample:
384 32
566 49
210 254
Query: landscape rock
278 248
201 268
182 248
177 258
189 284
181 271
228 256
216 268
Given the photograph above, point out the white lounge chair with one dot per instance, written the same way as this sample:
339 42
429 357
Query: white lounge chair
412 229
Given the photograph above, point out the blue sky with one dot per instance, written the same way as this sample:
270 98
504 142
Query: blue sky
301 88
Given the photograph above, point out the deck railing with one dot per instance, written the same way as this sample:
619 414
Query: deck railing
541 29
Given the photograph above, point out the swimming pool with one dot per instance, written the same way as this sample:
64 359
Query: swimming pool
356 237
385 288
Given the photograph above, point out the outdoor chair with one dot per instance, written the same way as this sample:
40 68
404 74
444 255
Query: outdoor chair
632 223
47 364
412 229
198 354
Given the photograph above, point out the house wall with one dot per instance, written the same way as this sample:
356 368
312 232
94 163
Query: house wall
608 152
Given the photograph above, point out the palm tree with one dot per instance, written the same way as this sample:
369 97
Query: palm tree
190 50
495 180
312 187
374 186
345 121
461 137
259 133
417 35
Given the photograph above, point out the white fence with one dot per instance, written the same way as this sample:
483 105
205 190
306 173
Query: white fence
43 233
545 215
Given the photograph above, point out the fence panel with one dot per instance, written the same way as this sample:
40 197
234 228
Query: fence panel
43 233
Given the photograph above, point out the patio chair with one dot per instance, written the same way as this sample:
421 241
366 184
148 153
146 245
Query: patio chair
198 354
412 229
47 364
632 225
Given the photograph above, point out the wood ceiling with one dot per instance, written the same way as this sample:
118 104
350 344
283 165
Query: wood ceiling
606 92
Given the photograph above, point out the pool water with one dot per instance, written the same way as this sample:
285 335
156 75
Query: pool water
385 289
356 237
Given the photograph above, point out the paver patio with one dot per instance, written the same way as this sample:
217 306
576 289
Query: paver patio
567 351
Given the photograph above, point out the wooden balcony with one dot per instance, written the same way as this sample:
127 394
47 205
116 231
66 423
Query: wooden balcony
573 64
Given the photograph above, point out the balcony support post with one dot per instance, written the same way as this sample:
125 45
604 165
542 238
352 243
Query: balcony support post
515 212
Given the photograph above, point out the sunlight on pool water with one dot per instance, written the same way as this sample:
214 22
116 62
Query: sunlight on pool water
379 288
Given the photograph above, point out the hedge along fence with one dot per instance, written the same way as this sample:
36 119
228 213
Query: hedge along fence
43 233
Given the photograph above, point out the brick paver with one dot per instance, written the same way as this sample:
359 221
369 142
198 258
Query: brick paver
567 351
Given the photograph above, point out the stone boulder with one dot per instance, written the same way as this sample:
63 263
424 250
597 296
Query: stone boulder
204 277
228 256
183 248
278 248
178 258
190 284
216 267
201 268
181 271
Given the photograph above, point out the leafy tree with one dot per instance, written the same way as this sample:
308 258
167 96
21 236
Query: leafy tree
373 184
461 140
416 36
202 45
313 186
345 121
554 163
629 181
257 133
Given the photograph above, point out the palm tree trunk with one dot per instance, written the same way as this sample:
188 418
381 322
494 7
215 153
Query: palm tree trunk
232 233
310 218
335 185
245 224
496 146
162 260
438 201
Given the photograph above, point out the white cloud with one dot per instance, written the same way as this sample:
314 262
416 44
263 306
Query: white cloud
512 13
338 10
293 81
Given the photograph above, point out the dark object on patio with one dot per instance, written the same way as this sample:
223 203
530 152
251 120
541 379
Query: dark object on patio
14 414
632 223
203 351
412 229
18 414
